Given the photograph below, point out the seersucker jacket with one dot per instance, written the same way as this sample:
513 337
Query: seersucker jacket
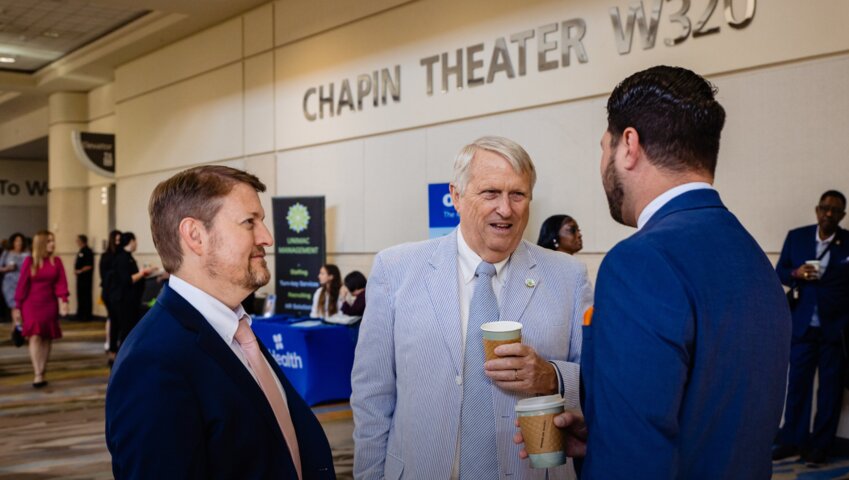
407 376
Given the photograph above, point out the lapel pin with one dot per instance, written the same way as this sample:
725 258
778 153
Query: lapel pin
530 282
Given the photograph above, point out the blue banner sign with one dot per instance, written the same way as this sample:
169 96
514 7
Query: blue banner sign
442 216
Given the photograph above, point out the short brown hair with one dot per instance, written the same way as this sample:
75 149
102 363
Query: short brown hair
195 193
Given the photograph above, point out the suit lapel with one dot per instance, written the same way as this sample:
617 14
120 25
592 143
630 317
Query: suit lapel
837 252
520 284
211 343
442 288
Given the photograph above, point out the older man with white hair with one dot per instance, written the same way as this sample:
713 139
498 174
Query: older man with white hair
426 404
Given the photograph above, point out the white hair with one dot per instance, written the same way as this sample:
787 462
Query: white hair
504 147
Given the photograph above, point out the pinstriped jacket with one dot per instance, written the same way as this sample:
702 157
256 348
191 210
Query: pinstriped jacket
407 383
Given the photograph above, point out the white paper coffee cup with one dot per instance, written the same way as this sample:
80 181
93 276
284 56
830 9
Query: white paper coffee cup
816 264
544 442
499 333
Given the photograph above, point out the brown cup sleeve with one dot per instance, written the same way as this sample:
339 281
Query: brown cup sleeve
489 346
540 434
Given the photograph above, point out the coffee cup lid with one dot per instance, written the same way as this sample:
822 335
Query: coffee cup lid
539 403
501 326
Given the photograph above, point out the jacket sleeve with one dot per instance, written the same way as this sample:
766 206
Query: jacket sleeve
357 308
640 340
569 371
60 289
785 266
24 283
153 424
373 378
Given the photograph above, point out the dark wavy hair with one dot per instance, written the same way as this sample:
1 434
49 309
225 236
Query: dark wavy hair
331 290
549 232
23 241
676 114
111 246
355 281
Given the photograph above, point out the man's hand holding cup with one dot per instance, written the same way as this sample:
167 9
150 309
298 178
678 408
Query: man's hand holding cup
513 366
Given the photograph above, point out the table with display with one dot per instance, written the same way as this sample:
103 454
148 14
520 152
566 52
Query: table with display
316 357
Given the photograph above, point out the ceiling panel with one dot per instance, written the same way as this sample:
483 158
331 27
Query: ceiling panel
34 33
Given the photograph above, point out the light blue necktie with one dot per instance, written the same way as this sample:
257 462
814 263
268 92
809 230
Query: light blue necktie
478 451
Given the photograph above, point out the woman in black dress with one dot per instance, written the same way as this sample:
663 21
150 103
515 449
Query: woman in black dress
105 270
126 286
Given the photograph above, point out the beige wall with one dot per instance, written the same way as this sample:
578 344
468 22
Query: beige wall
215 97
218 97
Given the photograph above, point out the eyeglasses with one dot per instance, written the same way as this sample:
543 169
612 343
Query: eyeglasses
827 209
573 230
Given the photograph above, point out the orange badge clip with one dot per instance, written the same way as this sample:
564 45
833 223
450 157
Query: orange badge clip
588 317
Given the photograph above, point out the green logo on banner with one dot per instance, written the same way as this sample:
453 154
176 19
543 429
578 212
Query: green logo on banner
298 218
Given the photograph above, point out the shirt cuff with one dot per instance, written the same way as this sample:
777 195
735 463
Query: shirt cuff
560 386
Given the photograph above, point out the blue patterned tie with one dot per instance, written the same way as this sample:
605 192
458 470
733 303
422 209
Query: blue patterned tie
478 451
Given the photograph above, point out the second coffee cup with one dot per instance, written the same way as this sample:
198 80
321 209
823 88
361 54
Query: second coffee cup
499 333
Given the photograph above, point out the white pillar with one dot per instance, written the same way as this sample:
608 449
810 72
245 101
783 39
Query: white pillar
67 206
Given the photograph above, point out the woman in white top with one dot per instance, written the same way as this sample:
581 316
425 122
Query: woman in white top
326 301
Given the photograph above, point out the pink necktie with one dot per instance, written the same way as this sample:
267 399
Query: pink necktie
247 340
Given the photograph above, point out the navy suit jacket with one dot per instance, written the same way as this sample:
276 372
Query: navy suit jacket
685 358
180 404
830 293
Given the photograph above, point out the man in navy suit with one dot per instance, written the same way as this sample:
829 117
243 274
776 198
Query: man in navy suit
685 355
193 394
819 318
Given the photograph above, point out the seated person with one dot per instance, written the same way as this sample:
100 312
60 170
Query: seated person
355 294
326 301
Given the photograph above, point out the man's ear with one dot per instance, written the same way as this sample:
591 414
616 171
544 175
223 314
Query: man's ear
193 235
455 195
630 141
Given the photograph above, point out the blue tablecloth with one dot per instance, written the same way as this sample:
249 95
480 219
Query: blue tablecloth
316 357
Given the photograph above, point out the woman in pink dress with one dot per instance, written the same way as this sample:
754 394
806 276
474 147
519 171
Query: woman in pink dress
41 296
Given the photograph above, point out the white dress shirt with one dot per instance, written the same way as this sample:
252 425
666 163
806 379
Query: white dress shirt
665 197
222 319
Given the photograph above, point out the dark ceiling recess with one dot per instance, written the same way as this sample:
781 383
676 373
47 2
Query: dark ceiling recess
35 150
34 33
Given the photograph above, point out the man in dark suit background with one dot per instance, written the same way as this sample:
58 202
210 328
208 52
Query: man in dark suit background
84 268
819 319
685 356
193 393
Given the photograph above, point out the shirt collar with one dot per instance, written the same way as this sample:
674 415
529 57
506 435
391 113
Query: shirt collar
469 260
224 320
665 197
827 240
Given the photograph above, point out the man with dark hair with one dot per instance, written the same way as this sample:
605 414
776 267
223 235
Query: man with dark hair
193 393
84 268
685 354
815 264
